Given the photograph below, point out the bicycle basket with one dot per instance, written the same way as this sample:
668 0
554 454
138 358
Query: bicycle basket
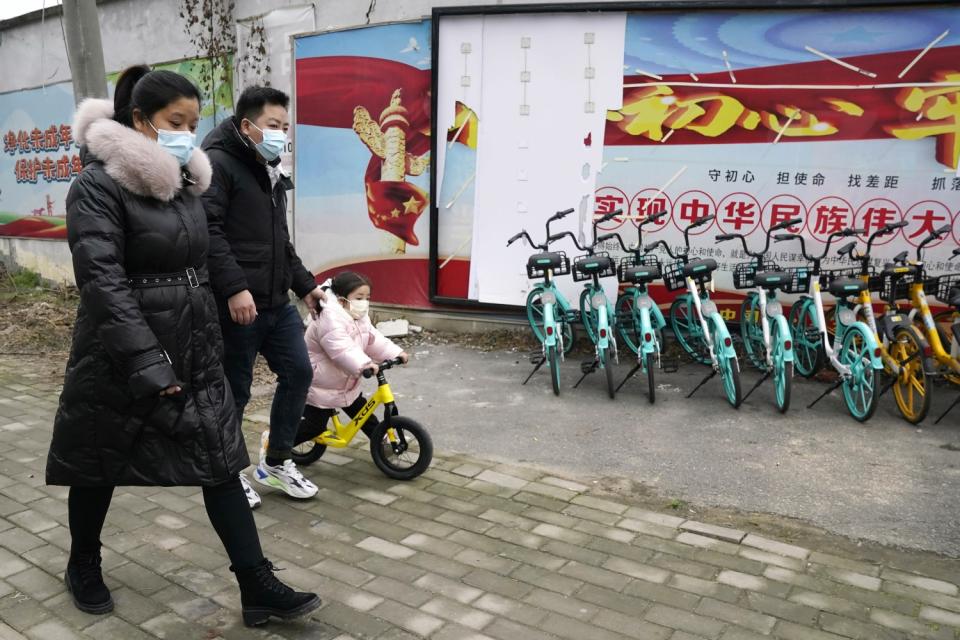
744 272
945 283
799 280
628 262
599 264
899 287
539 263
673 277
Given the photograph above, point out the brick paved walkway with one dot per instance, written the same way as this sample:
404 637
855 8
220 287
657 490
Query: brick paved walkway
471 551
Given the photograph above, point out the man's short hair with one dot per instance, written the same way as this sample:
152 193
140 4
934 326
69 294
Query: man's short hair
254 99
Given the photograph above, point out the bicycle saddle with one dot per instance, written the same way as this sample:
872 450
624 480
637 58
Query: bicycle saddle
641 274
700 267
842 287
595 264
771 279
547 260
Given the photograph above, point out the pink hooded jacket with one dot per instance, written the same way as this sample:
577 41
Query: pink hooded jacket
339 347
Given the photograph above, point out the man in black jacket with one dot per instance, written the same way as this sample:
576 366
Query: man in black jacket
253 266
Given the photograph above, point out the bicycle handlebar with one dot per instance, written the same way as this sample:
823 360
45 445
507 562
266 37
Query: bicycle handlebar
606 217
386 364
653 217
559 236
651 247
561 214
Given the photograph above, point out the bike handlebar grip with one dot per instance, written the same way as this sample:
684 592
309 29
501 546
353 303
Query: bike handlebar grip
609 216
702 221
555 237
605 237
514 238
724 237
655 216
652 246
847 248
368 373
780 237
786 224
942 230
893 226
956 251
564 213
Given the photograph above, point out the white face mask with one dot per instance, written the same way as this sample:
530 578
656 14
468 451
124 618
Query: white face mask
358 308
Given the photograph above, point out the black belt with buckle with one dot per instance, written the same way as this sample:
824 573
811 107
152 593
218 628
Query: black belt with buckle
189 277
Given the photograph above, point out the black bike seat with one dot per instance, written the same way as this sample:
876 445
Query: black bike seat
595 264
641 274
894 269
543 261
843 287
771 279
700 267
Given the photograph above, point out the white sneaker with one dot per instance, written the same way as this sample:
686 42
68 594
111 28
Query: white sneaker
253 498
287 478
264 441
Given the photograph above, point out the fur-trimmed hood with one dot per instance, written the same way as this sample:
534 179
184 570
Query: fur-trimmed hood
135 162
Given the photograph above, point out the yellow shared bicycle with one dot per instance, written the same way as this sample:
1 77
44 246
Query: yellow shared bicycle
903 349
401 448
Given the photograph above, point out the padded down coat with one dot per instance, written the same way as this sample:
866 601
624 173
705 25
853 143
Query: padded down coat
132 211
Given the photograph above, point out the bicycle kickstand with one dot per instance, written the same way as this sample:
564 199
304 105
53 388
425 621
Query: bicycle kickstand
827 392
633 371
762 379
949 409
540 363
587 368
710 375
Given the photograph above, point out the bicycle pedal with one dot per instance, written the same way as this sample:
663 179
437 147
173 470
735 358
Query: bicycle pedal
588 366
535 357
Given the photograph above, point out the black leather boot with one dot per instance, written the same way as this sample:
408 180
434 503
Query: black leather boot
262 595
85 583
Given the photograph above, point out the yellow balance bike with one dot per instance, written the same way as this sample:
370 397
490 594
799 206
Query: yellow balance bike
401 448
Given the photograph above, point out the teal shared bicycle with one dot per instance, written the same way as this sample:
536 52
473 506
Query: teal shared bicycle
596 310
639 321
696 322
548 311
765 330
855 353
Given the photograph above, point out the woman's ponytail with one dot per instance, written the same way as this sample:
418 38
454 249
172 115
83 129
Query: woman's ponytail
123 94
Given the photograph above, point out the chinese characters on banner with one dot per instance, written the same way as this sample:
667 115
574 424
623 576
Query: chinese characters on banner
51 167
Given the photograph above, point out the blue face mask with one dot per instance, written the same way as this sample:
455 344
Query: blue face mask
274 142
179 144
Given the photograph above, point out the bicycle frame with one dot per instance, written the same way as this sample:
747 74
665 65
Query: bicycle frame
949 359
845 317
773 309
552 299
340 435
707 308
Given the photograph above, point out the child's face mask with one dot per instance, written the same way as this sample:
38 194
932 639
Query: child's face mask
358 308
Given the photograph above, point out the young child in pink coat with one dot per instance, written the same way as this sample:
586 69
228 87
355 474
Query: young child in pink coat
342 343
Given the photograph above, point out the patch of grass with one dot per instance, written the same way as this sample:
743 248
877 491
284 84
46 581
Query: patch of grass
677 504
25 279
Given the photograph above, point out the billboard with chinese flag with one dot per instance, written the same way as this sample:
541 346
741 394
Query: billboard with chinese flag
839 117
362 154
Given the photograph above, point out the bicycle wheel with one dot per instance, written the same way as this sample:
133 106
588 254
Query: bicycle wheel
408 456
752 331
307 452
729 370
608 369
782 370
628 321
912 390
651 386
861 390
686 329
588 315
553 361
535 318
808 351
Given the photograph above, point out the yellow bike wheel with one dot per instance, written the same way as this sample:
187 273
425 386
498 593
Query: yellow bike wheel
944 321
913 389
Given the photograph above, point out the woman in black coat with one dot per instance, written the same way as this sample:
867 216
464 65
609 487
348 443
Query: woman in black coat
144 400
